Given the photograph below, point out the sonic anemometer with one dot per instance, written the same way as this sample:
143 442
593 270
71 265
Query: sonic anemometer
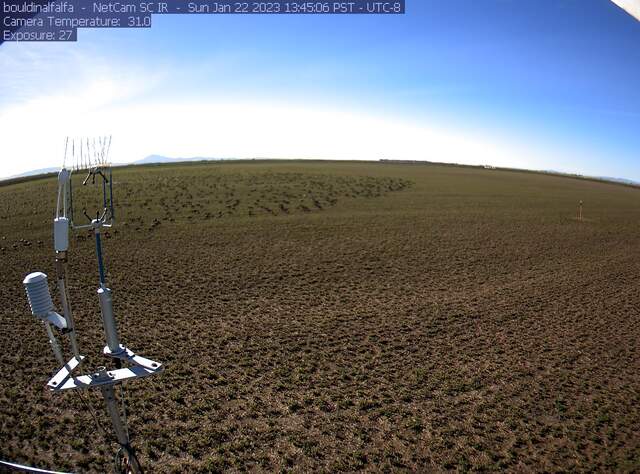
90 156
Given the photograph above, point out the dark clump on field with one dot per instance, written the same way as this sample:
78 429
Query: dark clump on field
189 196
340 317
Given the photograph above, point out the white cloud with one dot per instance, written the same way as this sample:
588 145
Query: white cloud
293 131
48 93
96 98
33 132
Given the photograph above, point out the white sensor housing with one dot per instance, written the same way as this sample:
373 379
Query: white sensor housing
38 294
40 299
61 234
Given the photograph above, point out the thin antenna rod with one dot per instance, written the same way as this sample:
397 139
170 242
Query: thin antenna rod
100 150
109 147
66 144
104 150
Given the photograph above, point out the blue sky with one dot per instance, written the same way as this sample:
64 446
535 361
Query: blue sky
541 84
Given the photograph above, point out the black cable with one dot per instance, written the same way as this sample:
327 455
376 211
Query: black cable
124 458
124 410
134 456
120 466
118 462
87 405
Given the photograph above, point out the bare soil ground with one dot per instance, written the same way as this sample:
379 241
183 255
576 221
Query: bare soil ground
337 317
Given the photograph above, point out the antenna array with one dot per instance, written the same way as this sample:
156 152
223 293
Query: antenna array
87 153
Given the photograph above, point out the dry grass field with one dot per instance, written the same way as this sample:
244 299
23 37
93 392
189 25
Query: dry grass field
325 317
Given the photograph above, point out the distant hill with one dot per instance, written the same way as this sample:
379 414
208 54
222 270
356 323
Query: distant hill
628 182
160 159
34 173
619 180
151 159
165 159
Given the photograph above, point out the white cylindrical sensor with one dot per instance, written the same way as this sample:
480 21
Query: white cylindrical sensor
38 294
108 320
61 234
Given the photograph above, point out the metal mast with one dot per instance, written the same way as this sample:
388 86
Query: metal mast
93 159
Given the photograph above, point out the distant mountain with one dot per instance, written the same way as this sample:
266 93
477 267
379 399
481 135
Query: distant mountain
165 159
34 173
619 180
158 159
151 159
601 178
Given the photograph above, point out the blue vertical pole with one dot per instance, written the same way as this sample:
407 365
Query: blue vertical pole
71 196
113 214
99 253
104 193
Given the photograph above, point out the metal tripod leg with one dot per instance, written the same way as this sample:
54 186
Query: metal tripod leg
54 343
61 259
109 396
